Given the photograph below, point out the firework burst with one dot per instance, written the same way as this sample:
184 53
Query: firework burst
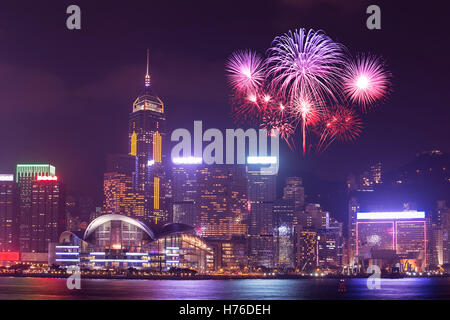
246 71
339 123
277 119
307 82
252 106
305 63
366 80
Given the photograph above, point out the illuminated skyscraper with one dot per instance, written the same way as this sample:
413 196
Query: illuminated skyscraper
370 178
376 173
261 196
284 216
330 245
25 177
120 197
443 233
222 201
294 191
314 217
47 212
353 208
9 213
306 249
184 178
146 142
403 233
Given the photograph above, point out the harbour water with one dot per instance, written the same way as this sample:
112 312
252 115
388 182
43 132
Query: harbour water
252 289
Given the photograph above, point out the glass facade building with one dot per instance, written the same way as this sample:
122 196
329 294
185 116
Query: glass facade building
222 201
146 136
119 242
26 175
403 233
9 213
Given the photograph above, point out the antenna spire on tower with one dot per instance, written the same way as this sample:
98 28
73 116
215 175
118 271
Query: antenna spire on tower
147 75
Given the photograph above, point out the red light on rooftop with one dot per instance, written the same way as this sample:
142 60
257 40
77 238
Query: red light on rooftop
9 256
47 178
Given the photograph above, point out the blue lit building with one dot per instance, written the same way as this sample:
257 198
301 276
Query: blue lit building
115 241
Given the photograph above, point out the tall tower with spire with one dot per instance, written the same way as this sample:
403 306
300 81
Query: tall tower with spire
146 141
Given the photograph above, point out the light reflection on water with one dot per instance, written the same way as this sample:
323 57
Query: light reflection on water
41 288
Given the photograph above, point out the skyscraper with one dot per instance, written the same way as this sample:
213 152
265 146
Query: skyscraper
184 187
376 173
146 142
314 217
329 240
353 208
120 196
26 175
47 212
306 249
261 196
402 233
294 191
284 216
443 229
9 213
222 201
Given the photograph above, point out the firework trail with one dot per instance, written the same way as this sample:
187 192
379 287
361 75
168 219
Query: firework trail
366 80
306 112
339 123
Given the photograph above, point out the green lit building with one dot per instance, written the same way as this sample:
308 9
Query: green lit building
26 176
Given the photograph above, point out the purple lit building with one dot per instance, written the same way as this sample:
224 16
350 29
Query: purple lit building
403 234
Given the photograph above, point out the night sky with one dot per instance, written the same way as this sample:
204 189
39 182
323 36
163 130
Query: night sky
65 95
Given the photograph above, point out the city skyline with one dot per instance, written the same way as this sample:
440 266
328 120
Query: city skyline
293 149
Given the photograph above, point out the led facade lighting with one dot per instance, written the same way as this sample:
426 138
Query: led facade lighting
118 260
67 260
187 160
6 177
390 215
262 160
47 178
67 253
9 256
33 170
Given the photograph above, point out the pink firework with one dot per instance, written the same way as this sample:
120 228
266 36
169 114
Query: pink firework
366 80
306 110
305 63
246 71
339 123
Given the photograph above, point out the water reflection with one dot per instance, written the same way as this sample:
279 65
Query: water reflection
41 288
